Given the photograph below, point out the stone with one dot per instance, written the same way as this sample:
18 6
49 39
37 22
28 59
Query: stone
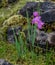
42 38
45 6
48 16
4 62
10 34
28 8
14 20
47 10
51 38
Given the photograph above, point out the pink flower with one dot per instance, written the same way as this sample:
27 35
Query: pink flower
37 20
35 14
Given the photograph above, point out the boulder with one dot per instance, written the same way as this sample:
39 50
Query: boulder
47 10
4 62
28 8
48 16
41 39
45 6
10 33
44 39
14 20
51 38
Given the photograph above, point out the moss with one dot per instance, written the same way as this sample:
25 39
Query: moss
8 51
13 21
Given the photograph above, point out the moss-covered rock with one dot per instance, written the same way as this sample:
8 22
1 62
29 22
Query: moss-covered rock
15 20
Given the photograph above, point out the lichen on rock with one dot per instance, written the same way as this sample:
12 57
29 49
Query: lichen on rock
13 21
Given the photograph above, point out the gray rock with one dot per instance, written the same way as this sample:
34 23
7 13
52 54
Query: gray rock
4 62
48 16
28 8
42 38
10 38
10 35
45 6
51 38
47 10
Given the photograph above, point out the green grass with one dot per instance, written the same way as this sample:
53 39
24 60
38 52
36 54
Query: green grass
8 51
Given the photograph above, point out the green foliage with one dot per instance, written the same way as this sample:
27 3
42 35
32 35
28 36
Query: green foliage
8 51
20 45
11 52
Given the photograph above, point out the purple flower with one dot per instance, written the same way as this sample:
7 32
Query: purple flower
35 14
37 20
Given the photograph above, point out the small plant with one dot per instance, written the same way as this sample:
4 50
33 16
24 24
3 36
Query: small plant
20 45
32 27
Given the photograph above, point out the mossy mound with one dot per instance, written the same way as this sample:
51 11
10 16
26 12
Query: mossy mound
13 21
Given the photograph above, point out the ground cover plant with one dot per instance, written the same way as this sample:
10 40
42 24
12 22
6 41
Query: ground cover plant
25 50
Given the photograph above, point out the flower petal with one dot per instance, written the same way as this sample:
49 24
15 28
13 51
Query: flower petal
35 14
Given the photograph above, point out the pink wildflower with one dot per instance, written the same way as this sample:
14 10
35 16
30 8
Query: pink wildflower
37 20
35 14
